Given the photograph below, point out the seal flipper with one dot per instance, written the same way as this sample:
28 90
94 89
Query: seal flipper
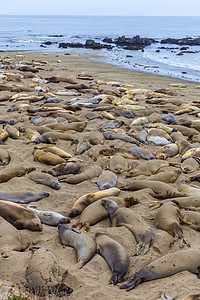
131 283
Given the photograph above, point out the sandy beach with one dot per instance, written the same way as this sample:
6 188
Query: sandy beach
92 281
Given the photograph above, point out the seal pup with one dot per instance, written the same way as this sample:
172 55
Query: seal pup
183 146
160 189
10 239
54 150
46 179
106 180
114 254
167 151
167 265
95 212
91 172
118 164
19 216
167 176
126 153
84 245
143 153
11 171
193 152
189 165
72 166
191 218
87 199
167 218
148 168
47 157
122 216
22 197
43 274
49 217
4 157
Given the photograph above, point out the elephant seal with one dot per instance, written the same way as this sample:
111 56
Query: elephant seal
82 147
10 172
45 179
148 168
191 218
118 164
43 275
4 157
143 153
167 265
3 135
183 146
106 180
114 254
10 239
194 296
57 135
96 138
13 132
160 189
72 166
189 165
22 197
84 245
91 172
87 199
47 157
189 190
95 212
167 218
167 176
167 151
19 216
193 152
49 217
54 150
182 202
122 216
126 153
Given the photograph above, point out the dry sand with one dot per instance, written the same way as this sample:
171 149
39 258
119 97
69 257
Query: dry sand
91 282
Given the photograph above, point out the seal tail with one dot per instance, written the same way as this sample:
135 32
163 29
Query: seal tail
131 283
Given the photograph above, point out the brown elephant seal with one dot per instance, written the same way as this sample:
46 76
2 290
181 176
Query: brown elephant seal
4 157
91 172
167 265
160 189
106 180
77 126
3 135
87 199
122 216
95 212
19 216
189 165
167 218
183 146
47 157
49 217
10 239
148 168
182 202
194 296
84 245
118 164
193 152
43 275
96 138
126 153
191 218
72 166
167 176
57 135
11 171
167 151
94 151
13 132
54 150
46 179
114 254
22 197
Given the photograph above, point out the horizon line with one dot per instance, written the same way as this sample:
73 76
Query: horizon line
72 15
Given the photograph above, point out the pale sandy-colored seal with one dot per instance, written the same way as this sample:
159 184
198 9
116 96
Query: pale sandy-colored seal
3 135
126 153
167 176
183 146
167 218
47 157
193 152
72 166
193 296
106 180
118 164
96 138
46 179
91 172
115 255
22 197
160 189
167 151
167 265
84 245
11 171
191 218
4 157
87 199
19 216
54 150
43 275
10 239
122 216
49 217
189 190
189 165
148 168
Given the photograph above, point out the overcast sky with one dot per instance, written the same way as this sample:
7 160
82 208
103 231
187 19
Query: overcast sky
102 7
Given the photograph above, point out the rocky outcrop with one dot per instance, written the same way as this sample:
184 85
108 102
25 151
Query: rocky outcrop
89 44
134 43
184 41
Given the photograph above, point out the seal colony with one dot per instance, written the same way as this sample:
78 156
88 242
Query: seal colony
77 137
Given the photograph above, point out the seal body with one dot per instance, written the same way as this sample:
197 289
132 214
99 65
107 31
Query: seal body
167 151
83 244
118 164
148 168
89 173
167 265
69 167
122 216
191 218
47 158
189 165
19 216
45 179
4 157
115 255
10 172
107 180
22 197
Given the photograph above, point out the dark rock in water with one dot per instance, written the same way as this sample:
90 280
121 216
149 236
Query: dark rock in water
108 40
134 43
62 45
181 53
129 55
48 43
42 46
184 48
93 45
56 35
157 50
184 41
53 100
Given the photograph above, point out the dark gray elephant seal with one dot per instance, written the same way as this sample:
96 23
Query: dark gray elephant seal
167 265
22 197
49 217
106 180
84 245
122 216
46 179
114 254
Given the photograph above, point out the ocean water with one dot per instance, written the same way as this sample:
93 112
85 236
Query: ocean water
27 33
